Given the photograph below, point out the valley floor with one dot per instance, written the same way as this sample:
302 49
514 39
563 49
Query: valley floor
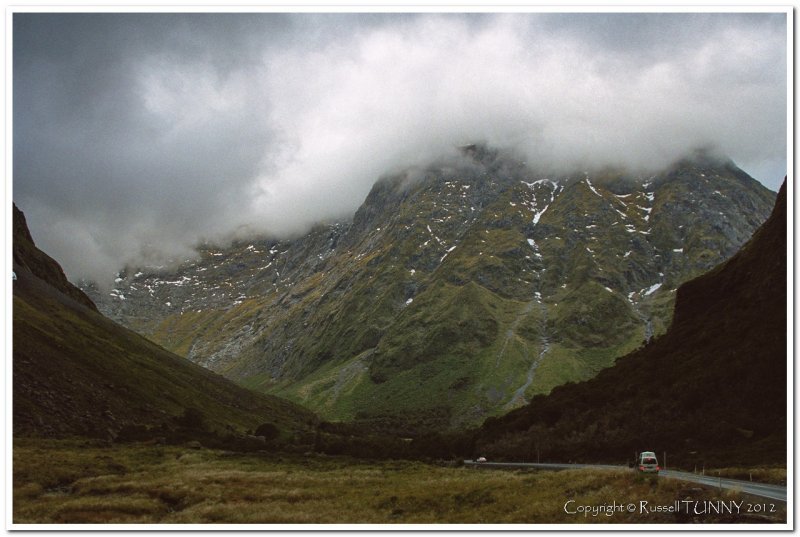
87 482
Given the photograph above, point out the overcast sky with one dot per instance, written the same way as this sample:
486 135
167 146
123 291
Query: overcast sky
138 135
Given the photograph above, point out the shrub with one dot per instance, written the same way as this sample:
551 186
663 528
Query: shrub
268 430
192 418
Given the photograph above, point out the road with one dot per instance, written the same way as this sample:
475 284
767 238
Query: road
763 490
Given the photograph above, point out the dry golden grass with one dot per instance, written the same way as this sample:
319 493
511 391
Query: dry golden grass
776 476
77 482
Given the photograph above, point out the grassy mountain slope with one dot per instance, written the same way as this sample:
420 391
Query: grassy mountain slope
79 373
27 257
711 390
457 291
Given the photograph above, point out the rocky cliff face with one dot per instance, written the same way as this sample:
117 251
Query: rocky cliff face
456 292
711 392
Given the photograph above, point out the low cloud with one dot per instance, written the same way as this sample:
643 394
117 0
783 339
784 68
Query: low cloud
138 136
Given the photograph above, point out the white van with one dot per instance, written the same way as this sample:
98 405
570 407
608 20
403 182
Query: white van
647 463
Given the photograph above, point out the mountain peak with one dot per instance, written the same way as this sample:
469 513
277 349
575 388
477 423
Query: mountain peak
480 151
29 260
713 387
458 291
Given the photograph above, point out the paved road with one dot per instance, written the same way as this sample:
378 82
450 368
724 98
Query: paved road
773 492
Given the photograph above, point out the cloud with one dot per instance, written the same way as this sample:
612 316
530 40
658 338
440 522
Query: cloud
136 136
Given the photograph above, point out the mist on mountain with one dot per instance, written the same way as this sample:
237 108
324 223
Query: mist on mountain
138 136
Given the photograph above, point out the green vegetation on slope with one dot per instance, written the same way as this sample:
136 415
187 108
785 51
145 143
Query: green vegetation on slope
78 373
711 391
463 289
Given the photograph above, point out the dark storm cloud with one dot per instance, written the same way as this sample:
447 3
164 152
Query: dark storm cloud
138 135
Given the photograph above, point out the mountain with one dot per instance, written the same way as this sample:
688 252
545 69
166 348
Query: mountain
711 391
28 258
77 373
457 291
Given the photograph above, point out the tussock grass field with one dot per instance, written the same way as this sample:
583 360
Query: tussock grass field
79 481
774 475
